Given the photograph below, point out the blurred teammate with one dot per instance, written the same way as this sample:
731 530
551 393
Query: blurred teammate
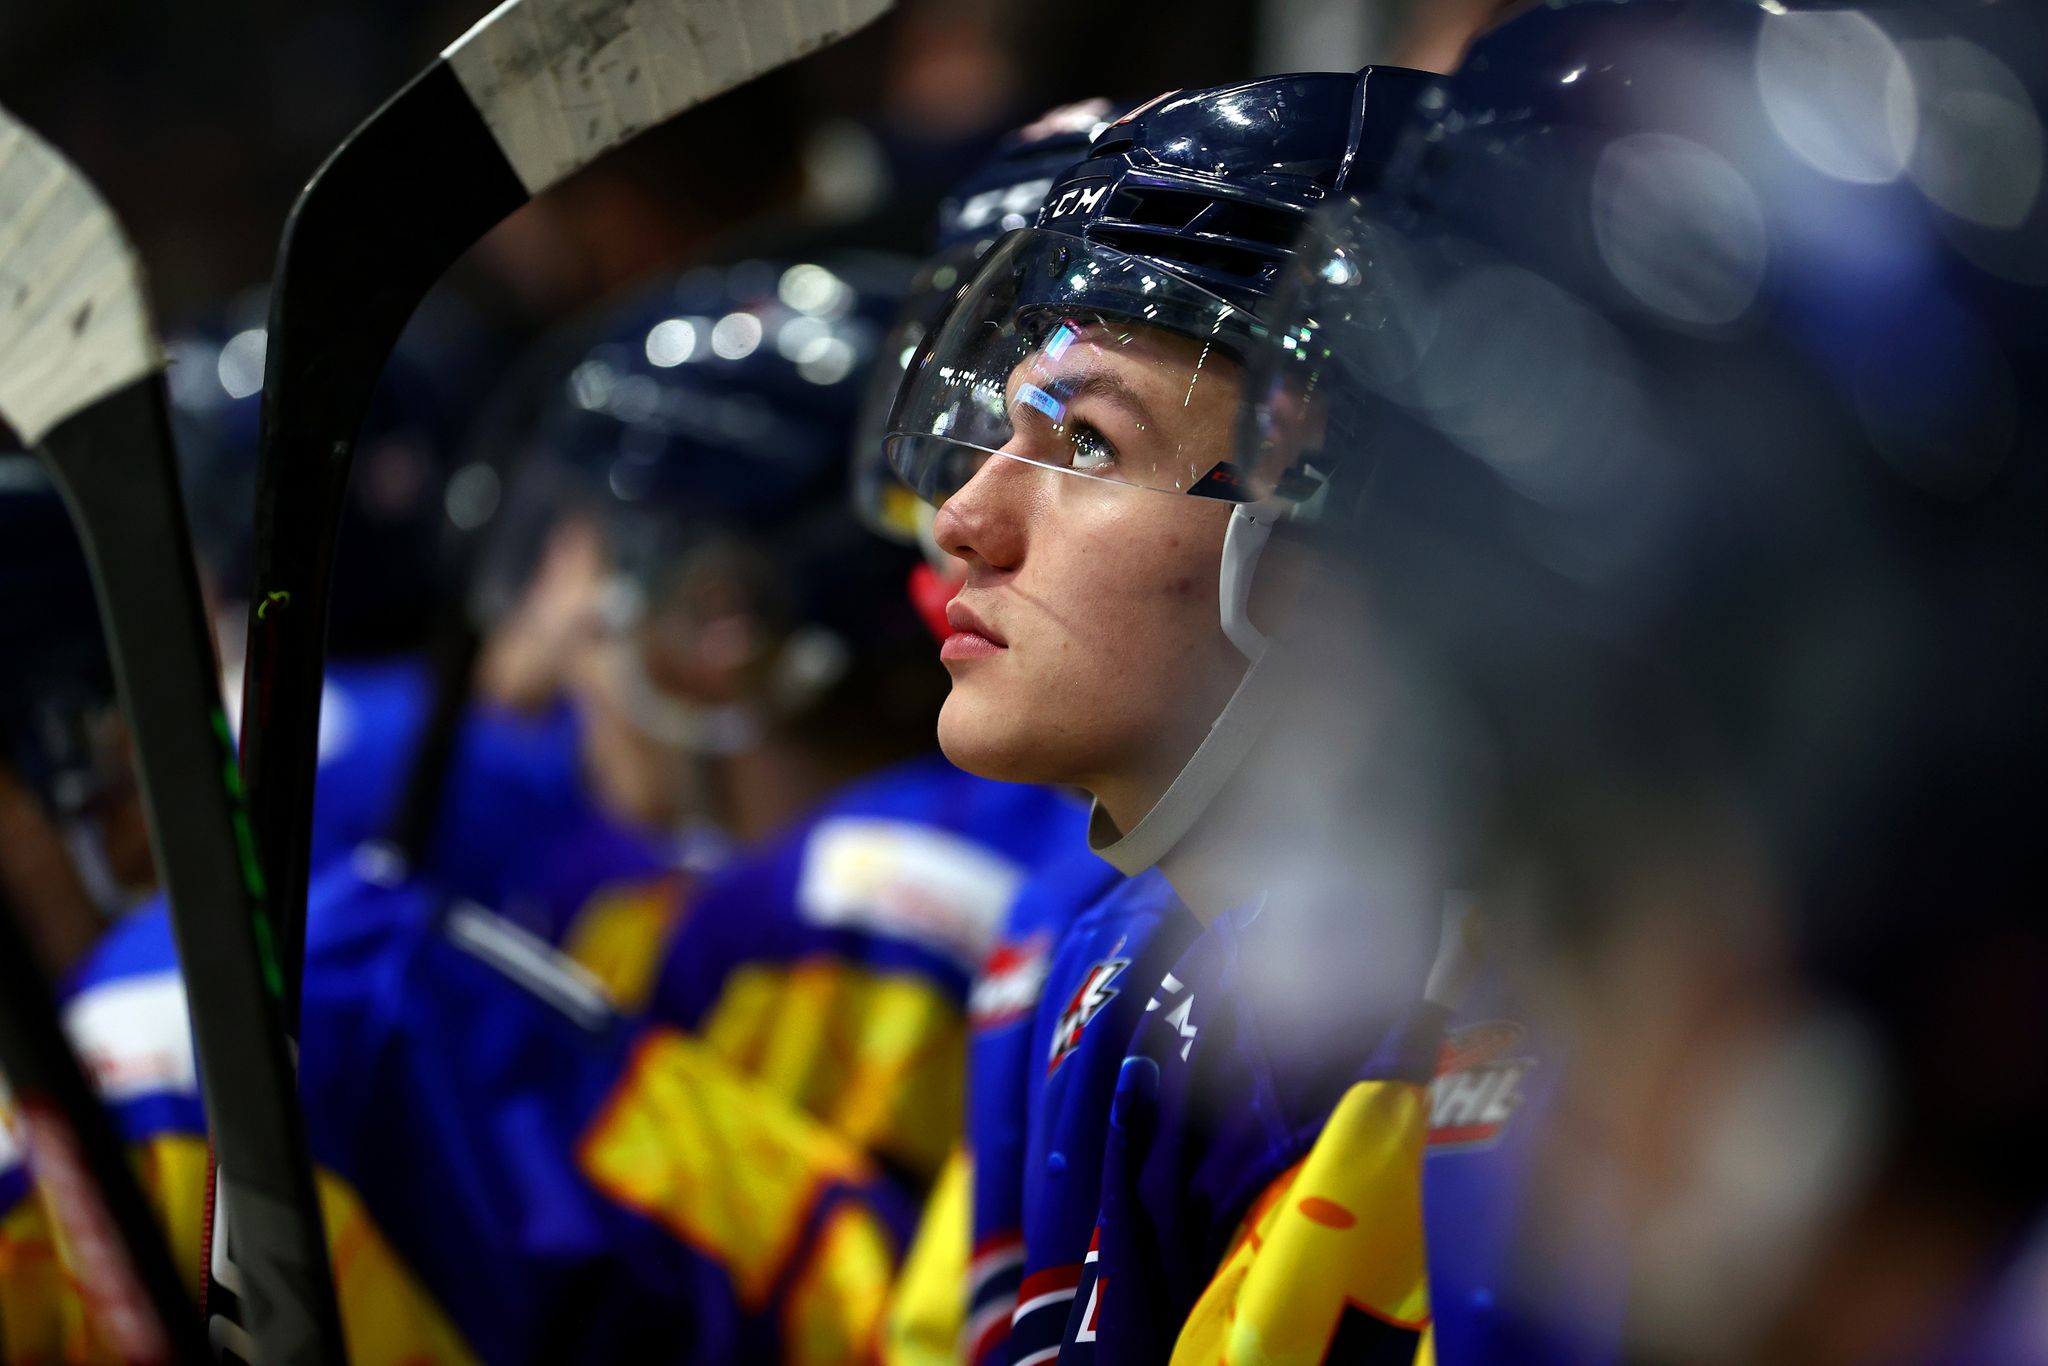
1702 350
674 566
513 781
392 578
66 778
834 956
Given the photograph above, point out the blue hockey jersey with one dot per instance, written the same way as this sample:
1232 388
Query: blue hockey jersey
1296 1171
911 869
1004 1072
1035 1199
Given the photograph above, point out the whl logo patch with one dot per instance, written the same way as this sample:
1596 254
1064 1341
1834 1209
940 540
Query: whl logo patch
1097 990
1477 1090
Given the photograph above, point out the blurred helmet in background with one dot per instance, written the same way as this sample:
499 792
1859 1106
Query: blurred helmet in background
677 529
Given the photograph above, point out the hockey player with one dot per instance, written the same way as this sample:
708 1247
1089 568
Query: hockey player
1570 454
1082 388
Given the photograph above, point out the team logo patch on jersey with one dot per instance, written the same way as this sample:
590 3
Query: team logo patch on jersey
1477 1090
1010 981
1097 990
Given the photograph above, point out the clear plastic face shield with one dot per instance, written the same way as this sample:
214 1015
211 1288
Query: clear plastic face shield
1079 359
884 503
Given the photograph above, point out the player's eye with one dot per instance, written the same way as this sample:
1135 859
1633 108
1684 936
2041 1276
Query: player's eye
1039 415
1093 452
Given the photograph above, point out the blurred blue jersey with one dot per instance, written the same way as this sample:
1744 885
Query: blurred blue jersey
833 960
542 1180
909 870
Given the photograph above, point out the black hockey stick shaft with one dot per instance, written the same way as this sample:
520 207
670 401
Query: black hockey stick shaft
113 462
123 1266
348 277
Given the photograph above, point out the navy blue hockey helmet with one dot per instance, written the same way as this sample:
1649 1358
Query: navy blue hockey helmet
1701 348
1143 286
1001 196
700 430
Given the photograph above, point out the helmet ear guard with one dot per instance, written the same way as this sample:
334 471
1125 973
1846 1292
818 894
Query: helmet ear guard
1244 544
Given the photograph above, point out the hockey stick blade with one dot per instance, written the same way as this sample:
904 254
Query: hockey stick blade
534 92
83 381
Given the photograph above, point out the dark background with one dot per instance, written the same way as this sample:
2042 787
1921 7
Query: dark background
200 122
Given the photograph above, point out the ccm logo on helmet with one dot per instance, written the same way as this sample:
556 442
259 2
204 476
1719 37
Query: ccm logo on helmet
1080 199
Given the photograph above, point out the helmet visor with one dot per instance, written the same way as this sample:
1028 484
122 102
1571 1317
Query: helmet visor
885 505
1084 360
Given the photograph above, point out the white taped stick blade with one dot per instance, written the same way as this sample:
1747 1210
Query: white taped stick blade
560 81
74 323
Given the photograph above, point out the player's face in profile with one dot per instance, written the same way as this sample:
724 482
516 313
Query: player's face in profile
1088 648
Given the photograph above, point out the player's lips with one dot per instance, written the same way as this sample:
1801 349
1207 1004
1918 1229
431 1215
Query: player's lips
971 638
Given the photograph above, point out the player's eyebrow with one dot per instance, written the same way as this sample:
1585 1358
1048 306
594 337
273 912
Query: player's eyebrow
1096 382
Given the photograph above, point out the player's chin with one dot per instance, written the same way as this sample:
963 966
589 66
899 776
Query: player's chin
982 736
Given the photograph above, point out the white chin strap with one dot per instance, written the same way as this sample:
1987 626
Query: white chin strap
1238 727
